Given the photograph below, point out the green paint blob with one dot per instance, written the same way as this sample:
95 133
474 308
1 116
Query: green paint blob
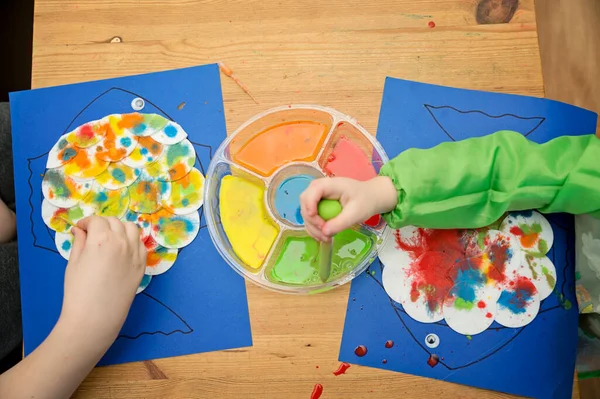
328 209
461 304
298 261
56 180
543 246
177 152
469 337
549 277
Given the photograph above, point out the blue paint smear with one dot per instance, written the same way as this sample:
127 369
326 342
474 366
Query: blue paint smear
118 175
125 142
139 129
525 214
101 197
170 131
144 151
66 245
287 198
466 283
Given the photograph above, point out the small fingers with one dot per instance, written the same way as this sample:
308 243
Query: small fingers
133 233
116 225
93 224
348 218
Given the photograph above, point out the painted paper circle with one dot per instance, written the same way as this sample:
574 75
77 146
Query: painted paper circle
61 153
144 283
171 134
87 135
543 274
117 143
174 163
64 244
63 191
146 151
518 304
467 309
117 175
148 125
146 194
85 165
532 229
62 219
175 231
160 259
103 202
186 194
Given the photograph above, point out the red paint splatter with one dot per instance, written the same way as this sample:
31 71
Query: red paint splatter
342 369
86 132
489 315
433 360
384 361
317 391
316 366
360 350
389 344
481 304
431 24
331 158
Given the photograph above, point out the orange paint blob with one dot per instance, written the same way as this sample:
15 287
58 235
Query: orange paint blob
295 141
128 121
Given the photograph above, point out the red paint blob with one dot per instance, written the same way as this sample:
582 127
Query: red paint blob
360 350
481 304
317 391
489 315
342 369
331 158
431 24
384 361
389 344
433 360
316 366
373 221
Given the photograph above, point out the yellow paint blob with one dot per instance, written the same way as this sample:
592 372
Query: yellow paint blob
249 229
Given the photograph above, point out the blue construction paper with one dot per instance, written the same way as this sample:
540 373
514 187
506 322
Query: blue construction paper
200 304
537 360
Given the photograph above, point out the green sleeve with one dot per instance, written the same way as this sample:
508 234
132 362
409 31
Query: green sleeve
471 183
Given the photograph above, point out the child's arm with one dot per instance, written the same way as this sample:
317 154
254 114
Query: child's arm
106 265
467 184
472 183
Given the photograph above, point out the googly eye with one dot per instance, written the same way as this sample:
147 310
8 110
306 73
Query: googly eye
432 341
138 104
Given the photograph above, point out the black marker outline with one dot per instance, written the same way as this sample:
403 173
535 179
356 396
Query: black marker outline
429 107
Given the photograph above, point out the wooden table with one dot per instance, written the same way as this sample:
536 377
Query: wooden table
329 52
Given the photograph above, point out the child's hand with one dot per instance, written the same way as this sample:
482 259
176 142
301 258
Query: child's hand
360 201
106 265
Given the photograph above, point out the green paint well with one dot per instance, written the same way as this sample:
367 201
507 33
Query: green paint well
298 261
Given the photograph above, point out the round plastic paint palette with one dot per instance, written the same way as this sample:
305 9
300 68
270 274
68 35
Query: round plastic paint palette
252 192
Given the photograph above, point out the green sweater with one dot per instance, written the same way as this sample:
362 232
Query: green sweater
472 183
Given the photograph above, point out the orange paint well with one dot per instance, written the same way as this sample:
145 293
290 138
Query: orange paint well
281 144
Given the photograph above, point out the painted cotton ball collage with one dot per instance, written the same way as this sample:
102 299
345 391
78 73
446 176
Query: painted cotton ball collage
136 167
471 278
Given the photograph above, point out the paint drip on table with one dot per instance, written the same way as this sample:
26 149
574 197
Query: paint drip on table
259 196
136 167
471 278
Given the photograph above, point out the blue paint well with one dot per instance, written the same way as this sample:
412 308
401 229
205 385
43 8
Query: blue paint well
287 198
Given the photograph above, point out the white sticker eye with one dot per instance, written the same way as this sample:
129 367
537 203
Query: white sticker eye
432 341
137 104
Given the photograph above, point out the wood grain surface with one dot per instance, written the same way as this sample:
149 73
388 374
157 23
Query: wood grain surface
331 52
